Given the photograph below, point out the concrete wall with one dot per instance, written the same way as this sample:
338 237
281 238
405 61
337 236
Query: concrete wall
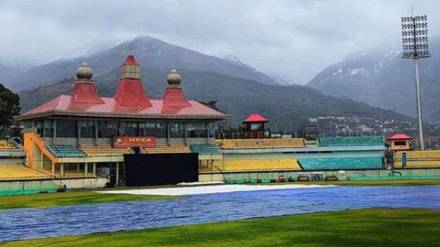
83 183
197 141
12 161
87 141
66 140
176 141
345 175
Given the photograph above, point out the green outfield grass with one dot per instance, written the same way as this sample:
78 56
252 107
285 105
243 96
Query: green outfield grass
367 227
69 198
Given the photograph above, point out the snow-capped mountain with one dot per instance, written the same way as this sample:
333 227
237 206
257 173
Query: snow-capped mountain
382 78
238 88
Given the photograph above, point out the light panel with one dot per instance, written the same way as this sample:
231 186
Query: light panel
415 37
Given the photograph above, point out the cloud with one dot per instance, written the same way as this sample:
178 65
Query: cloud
290 39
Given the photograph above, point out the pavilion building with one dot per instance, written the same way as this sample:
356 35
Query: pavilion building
76 133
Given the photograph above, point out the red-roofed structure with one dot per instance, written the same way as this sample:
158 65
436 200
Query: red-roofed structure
130 92
129 101
84 90
255 118
130 60
400 136
400 142
62 106
254 127
174 98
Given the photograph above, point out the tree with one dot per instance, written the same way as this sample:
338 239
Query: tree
9 107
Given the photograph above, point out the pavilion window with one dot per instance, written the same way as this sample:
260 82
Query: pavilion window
196 130
39 126
28 124
156 129
177 130
66 128
256 126
48 128
130 129
211 130
107 129
87 129
400 143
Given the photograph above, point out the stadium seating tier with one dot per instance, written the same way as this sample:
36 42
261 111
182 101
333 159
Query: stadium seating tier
341 163
260 143
205 149
245 165
6 145
104 150
19 172
65 150
167 149
417 159
350 141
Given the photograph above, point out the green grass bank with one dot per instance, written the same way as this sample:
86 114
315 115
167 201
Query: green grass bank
366 227
70 198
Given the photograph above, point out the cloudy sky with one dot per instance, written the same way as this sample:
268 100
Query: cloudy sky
287 39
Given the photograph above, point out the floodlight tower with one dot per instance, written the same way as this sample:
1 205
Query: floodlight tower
415 46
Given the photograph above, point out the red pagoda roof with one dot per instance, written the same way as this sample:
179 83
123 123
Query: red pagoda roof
174 97
400 136
130 93
130 60
62 105
130 99
85 94
255 118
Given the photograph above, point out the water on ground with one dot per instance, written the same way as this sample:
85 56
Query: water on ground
18 224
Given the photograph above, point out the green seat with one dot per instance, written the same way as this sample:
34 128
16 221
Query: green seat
205 149
341 163
351 141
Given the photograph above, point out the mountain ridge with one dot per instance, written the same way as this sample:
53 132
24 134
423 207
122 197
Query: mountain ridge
149 51
205 78
236 96
385 81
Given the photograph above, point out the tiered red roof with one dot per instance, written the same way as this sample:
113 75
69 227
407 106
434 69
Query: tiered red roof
255 118
130 60
130 92
129 101
84 95
400 136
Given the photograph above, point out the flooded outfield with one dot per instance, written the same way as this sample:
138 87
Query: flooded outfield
202 208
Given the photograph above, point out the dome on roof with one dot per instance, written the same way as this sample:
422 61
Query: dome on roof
174 78
84 72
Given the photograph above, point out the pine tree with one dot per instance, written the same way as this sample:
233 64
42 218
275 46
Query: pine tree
9 107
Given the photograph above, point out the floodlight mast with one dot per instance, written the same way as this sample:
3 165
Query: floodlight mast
415 46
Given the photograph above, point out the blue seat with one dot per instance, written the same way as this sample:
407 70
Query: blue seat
65 150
